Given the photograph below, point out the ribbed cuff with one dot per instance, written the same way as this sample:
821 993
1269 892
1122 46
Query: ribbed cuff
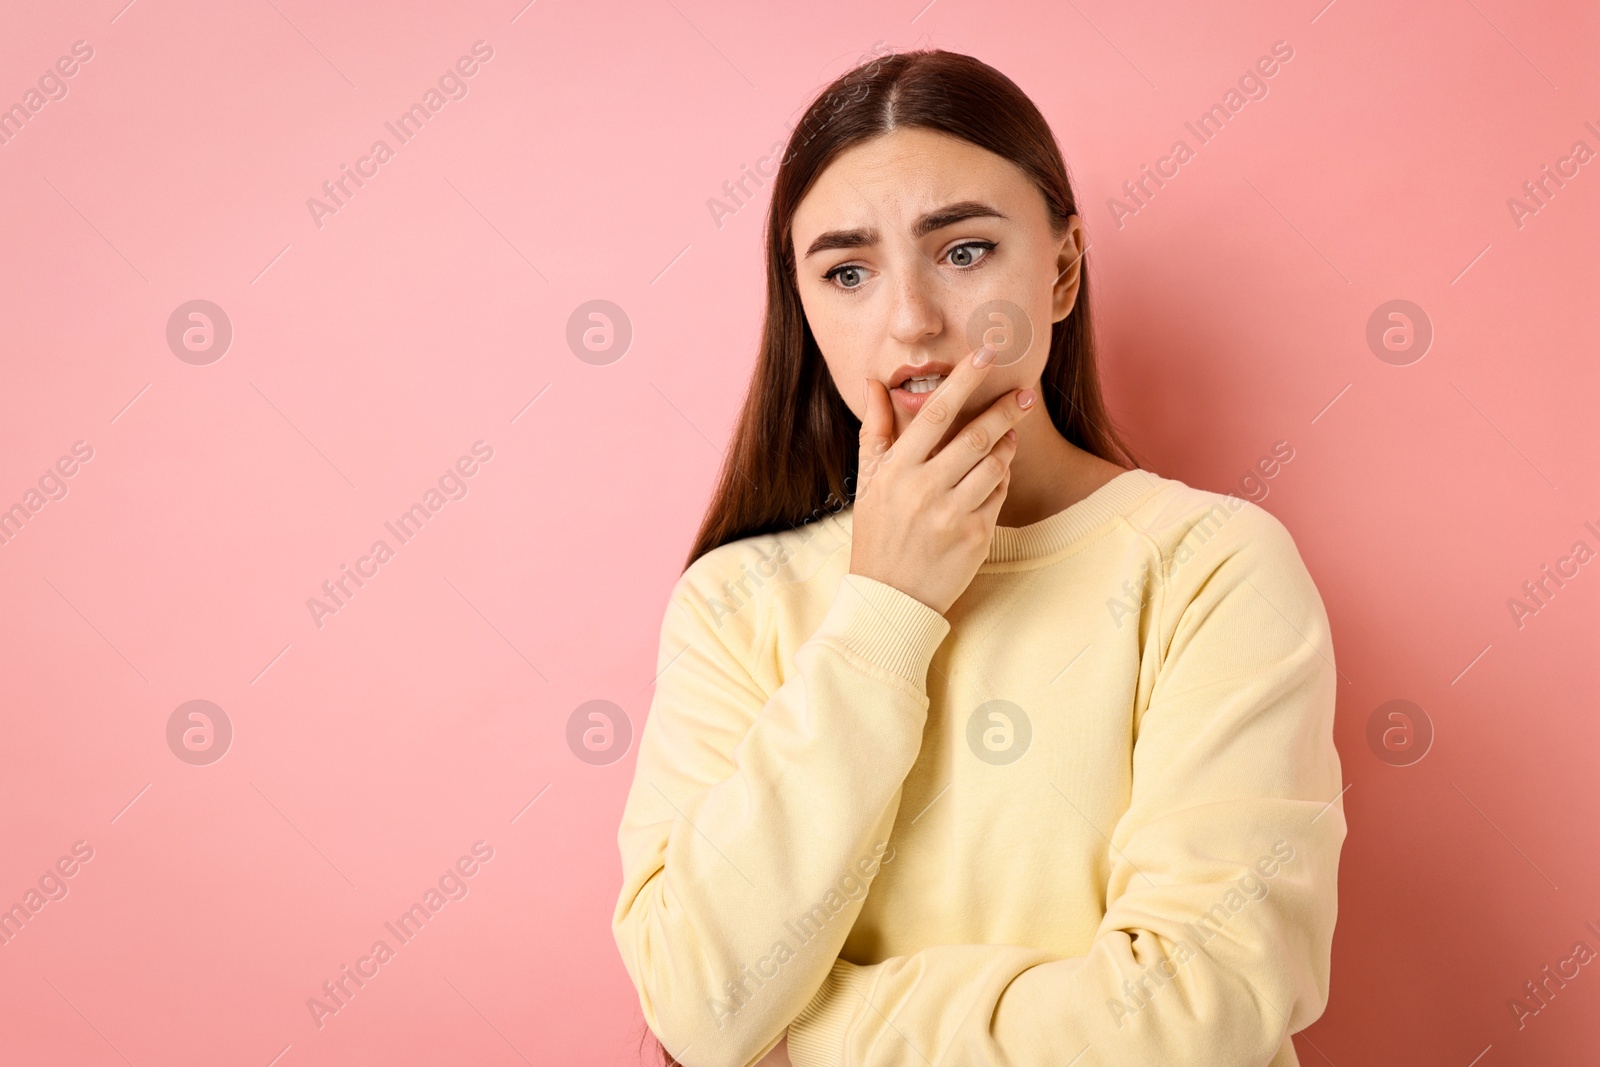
816 1036
884 626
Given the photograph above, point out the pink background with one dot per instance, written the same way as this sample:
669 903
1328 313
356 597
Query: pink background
371 352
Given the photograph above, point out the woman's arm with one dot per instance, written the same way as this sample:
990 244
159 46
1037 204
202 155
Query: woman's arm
755 821
1221 900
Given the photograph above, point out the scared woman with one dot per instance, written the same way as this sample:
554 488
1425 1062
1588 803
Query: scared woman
1019 753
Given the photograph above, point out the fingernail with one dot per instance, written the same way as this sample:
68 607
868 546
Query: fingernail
1025 399
983 356
1011 435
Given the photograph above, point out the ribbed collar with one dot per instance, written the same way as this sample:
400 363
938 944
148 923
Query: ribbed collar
1048 536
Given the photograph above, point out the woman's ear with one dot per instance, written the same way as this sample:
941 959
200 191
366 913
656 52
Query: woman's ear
1069 270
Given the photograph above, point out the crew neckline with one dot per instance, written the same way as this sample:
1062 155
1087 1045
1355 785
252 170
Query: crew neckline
1038 540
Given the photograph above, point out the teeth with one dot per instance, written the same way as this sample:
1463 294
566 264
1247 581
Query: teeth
922 385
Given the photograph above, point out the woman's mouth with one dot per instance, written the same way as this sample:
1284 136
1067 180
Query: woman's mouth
912 393
911 384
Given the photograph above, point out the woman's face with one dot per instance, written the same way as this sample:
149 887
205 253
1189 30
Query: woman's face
916 247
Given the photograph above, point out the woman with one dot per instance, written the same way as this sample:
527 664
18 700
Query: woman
1024 756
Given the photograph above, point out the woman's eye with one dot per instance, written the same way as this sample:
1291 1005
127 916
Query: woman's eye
848 270
961 255
849 277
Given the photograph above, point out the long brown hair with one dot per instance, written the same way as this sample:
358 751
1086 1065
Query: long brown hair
795 448
796 444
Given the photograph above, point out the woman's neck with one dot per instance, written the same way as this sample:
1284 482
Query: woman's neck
1049 473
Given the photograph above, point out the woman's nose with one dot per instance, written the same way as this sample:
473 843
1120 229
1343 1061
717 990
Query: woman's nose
917 299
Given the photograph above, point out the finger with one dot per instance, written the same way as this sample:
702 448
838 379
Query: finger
992 469
933 419
977 438
877 432
990 510
878 420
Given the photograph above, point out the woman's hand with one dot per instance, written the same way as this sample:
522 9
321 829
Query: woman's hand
923 523
779 1056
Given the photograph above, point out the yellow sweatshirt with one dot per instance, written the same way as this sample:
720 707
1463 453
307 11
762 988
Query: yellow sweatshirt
1090 815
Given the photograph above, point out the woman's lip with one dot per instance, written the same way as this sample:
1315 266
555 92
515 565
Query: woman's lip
931 368
908 401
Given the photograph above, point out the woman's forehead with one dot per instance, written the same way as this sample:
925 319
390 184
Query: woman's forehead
870 189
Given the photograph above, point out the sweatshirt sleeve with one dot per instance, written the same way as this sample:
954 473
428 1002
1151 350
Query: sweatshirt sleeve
750 811
1220 904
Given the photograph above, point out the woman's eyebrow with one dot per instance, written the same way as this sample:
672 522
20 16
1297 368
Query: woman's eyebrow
937 219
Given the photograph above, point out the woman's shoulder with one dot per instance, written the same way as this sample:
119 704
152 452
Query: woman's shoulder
1180 516
1230 591
1203 543
732 587
1208 546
